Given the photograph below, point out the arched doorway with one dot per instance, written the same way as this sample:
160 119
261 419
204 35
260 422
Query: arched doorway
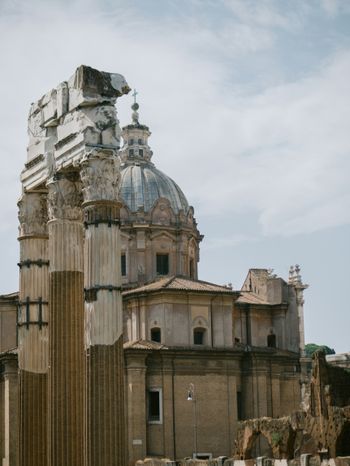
259 446
343 441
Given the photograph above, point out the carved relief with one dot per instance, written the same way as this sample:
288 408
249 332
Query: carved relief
162 213
32 214
100 173
190 216
64 198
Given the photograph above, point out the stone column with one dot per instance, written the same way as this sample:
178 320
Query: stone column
296 281
103 309
33 329
67 374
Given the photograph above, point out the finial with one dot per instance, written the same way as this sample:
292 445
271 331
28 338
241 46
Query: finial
135 107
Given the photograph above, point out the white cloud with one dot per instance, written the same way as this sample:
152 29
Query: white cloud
280 153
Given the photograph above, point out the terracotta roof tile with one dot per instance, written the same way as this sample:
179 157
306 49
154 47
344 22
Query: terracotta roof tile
251 298
144 345
181 284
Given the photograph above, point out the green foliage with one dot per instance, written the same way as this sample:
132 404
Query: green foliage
276 438
310 348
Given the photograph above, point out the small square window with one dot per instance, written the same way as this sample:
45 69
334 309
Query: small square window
156 334
198 336
162 264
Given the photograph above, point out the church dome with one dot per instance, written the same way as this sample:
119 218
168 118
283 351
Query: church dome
141 186
159 235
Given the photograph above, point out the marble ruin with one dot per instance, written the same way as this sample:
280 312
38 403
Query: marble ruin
70 411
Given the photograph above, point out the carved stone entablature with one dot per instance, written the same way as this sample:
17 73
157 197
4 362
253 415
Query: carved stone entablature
32 214
79 112
65 197
100 173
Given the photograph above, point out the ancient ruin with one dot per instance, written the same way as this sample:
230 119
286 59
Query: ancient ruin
70 311
322 429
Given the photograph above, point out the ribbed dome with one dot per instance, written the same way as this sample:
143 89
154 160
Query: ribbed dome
142 185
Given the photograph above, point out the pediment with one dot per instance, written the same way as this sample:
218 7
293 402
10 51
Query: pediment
163 234
162 213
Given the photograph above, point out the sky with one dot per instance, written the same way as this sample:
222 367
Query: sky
248 104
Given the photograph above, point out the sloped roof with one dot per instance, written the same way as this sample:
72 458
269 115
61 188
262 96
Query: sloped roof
251 298
144 345
178 283
9 296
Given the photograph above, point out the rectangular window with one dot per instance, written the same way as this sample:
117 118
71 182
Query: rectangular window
191 268
162 264
141 152
154 405
131 152
123 264
239 406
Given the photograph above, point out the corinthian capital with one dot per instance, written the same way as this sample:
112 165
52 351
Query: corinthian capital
100 173
64 197
32 214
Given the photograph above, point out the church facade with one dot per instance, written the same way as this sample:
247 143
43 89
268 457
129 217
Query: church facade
197 357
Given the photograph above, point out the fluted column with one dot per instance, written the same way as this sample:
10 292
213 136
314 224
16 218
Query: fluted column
67 375
103 308
33 329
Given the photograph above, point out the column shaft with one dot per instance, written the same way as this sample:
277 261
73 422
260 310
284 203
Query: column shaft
103 308
33 330
105 346
67 373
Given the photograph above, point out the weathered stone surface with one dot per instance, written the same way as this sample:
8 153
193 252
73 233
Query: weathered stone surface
100 173
324 429
78 113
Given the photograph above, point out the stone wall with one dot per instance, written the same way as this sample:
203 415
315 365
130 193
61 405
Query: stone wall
306 460
323 426
8 322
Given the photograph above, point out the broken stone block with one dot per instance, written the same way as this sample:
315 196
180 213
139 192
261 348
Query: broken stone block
62 99
48 104
79 112
90 87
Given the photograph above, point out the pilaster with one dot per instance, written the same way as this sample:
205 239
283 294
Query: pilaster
33 329
136 404
10 398
103 310
67 372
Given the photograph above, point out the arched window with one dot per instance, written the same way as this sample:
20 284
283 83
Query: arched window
191 268
199 336
271 340
156 334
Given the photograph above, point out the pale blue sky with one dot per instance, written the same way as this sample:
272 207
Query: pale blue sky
248 102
